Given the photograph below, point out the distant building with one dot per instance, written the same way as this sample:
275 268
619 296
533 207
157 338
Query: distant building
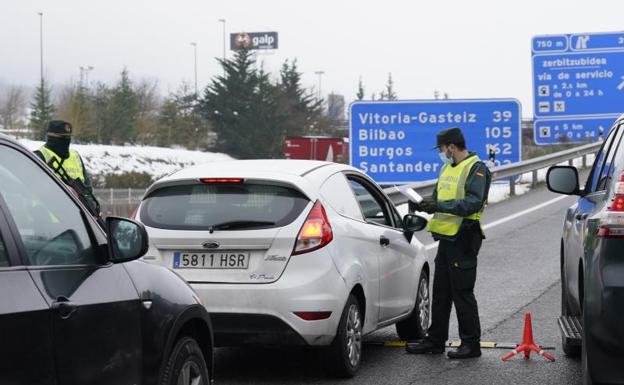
336 107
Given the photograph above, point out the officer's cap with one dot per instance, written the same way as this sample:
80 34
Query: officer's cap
59 128
450 136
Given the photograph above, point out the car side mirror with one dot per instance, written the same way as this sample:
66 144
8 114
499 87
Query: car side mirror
413 223
563 180
127 239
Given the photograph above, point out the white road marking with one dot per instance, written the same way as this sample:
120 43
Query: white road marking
510 217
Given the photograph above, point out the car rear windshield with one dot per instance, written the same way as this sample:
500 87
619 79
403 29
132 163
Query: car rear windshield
222 207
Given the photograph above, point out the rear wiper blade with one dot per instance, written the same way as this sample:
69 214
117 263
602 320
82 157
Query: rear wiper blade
239 225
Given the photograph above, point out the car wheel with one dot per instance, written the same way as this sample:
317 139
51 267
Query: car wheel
416 325
345 352
568 349
186 365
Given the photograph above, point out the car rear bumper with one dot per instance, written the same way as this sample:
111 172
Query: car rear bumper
604 320
603 312
265 313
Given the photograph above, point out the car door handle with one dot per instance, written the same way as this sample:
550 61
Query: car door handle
580 217
63 307
384 241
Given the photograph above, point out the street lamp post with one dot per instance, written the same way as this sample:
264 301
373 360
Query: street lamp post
320 74
222 21
41 42
194 44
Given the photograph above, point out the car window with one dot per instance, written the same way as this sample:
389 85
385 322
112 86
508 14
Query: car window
4 258
599 163
397 219
607 170
242 206
50 224
337 192
371 205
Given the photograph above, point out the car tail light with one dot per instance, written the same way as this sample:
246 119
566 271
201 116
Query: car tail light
612 226
221 180
313 315
315 233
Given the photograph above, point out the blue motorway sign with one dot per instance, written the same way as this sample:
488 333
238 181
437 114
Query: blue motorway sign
392 141
583 129
577 76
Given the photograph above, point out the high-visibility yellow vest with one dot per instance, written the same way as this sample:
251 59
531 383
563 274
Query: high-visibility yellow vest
72 165
451 186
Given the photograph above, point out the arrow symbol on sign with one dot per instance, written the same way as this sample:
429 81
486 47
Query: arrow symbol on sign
621 86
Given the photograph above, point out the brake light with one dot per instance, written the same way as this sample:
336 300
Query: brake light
617 204
612 226
315 233
313 315
605 231
221 180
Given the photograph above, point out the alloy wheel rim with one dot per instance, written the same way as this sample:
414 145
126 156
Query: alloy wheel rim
423 304
190 374
354 335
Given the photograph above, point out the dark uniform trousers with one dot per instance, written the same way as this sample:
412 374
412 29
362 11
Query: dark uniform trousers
454 281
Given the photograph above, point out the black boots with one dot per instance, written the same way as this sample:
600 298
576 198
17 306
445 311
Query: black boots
424 347
465 351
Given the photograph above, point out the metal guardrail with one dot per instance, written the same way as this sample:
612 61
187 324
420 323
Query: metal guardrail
123 201
509 171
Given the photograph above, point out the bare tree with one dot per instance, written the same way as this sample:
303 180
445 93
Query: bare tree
149 101
13 108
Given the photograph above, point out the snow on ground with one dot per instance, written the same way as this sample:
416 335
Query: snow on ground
156 161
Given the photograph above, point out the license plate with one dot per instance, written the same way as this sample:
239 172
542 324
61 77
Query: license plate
217 260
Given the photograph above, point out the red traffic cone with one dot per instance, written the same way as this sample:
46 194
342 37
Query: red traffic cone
527 344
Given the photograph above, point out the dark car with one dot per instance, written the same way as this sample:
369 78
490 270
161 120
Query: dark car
75 306
592 262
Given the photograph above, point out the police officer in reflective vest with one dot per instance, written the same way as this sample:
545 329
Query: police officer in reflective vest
456 204
67 163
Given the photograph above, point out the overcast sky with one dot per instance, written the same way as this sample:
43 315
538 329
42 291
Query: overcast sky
468 49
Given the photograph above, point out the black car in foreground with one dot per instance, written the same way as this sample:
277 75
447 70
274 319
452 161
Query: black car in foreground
592 262
75 306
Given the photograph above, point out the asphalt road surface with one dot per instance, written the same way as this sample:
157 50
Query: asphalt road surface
518 272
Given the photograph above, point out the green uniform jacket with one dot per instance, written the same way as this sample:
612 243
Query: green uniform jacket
477 190
88 186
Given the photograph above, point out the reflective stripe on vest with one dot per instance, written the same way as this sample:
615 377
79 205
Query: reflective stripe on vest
452 186
72 165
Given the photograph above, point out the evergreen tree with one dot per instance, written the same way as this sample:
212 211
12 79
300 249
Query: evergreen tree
123 112
251 114
228 102
100 102
298 107
42 110
360 93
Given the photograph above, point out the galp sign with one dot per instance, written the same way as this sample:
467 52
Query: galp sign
253 40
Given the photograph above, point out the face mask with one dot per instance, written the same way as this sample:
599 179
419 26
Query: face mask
59 145
445 157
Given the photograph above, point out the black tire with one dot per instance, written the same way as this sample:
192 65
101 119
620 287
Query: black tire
568 349
186 359
345 353
416 325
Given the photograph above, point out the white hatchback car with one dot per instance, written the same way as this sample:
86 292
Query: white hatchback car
291 252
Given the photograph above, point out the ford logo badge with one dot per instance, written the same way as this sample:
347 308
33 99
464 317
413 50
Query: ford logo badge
211 245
